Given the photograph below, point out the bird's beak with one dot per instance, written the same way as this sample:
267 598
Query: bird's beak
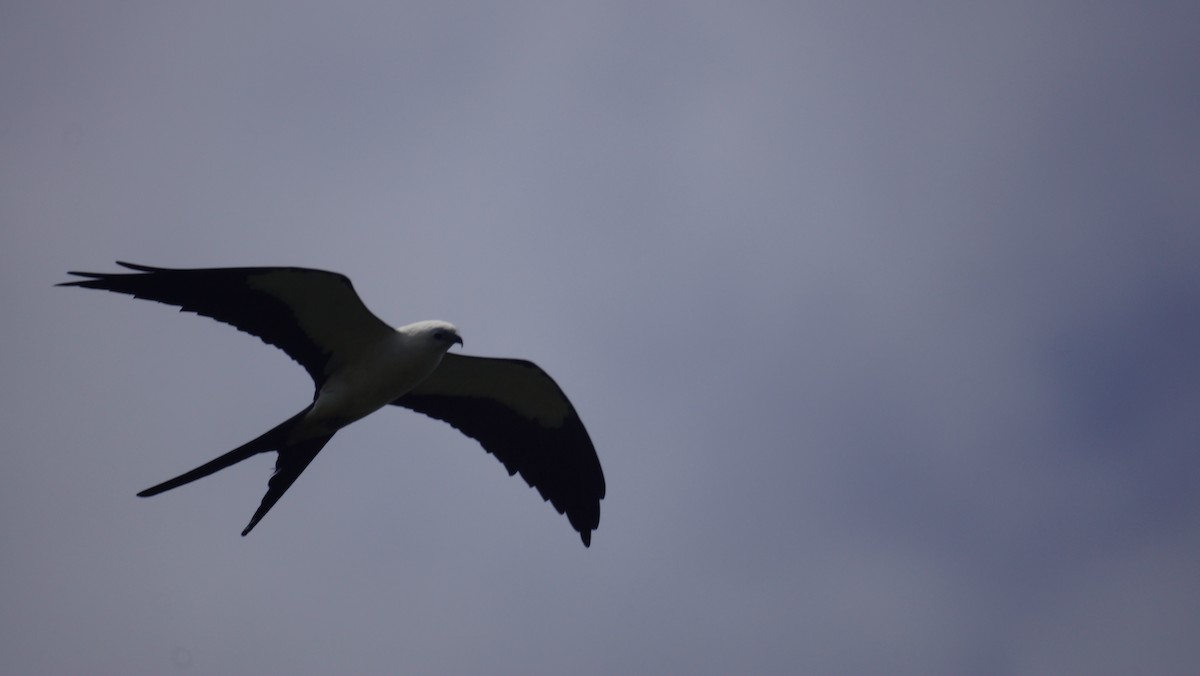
458 339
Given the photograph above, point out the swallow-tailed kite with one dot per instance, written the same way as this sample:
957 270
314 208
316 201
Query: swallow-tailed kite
359 365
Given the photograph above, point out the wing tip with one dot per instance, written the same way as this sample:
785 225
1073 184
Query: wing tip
90 279
139 267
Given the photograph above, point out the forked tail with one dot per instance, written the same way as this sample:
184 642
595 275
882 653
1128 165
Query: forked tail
293 458
270 441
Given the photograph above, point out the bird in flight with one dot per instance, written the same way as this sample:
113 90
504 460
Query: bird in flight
359 365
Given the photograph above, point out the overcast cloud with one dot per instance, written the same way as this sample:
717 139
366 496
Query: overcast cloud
883 318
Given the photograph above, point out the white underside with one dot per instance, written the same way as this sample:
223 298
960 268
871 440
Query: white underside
377 376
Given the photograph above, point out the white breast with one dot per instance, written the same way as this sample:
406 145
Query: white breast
375 378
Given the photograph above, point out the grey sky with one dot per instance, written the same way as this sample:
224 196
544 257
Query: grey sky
883 318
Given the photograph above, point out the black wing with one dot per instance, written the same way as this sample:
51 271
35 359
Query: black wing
518 413
313 315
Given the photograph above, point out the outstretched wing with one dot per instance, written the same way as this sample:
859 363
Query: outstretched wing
313 315
518 413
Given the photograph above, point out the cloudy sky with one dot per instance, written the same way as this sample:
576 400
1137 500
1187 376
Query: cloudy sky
883 318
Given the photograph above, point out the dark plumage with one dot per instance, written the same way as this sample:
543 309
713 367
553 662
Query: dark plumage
359 364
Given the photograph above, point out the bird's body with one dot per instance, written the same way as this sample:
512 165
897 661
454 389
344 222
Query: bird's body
360 365
382 372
